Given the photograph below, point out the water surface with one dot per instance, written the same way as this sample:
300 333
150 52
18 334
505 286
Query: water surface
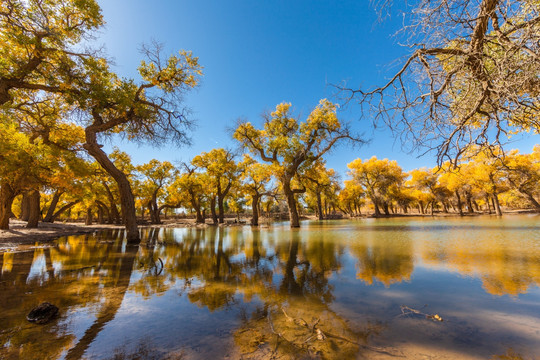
331 290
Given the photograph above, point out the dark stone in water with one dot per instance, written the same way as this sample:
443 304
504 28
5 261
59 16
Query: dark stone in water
43 313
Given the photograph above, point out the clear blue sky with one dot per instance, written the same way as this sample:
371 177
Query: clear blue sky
257 54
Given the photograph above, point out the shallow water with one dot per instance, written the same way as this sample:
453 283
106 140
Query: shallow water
331 290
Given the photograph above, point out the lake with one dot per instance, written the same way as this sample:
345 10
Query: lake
344 289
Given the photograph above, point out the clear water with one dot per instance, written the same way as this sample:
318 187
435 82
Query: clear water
332 290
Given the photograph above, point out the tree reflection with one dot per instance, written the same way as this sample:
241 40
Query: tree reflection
279 283
388 260
79 272
506 266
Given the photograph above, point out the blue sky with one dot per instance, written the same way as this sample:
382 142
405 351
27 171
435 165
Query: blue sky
257 54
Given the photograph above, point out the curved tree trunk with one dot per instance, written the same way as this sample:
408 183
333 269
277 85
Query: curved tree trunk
7 195
196 204
124 187
103 211
531 199
497 204
376 207
52 207
33 209
385 208
62 209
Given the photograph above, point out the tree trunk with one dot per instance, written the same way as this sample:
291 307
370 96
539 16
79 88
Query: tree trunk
221 209
7 195
469 203
385 208
376 207
25 207
103 211
100 215
319 206
291 203
154 210
531 199
199 217
88 220
126 195
52 207
213 210
62 209
112 204
445 207
33 209
255 208
459 204
497 205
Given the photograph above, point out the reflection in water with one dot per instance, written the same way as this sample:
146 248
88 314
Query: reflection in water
506 264
388 260
276 293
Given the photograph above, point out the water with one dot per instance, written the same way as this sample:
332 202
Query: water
331 290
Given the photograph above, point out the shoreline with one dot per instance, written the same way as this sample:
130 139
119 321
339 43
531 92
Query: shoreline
19 238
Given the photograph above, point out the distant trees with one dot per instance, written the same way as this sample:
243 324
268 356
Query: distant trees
256 179
376 177
477 182
157 176
222 171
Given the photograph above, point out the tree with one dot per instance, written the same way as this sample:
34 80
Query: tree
290 147
320 180
376 176
191 185
471 77
425 180
39 39
256 178
223 172
157 177
487 177
150 111
351 198
37 54
523 174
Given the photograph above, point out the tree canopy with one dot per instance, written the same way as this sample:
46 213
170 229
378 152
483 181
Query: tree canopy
470 81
